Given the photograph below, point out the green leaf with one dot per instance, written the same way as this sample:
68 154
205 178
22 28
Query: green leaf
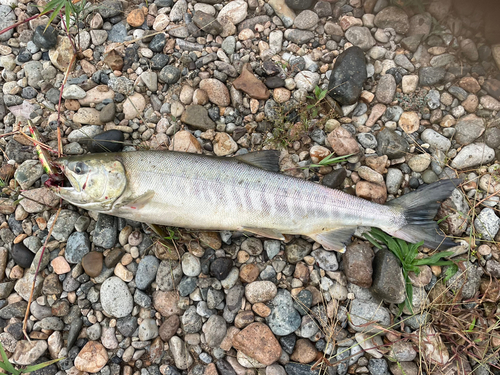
54 14
450 272
8 366
317 92
41 365
322 95
51 5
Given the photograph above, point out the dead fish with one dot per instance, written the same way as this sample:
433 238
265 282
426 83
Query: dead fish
242 193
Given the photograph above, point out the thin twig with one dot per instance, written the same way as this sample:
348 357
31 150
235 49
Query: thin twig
25 321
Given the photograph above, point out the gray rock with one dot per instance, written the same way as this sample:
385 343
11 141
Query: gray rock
45 37
169 275
433 99
148 330
393 180
391 144
468 129
28 173
191 321
191 265
216 297
386 89
284 319
215 330
94 332
296 250
363 312
473 155
182 357
110 8
402 351
487 224
178 11
436 140
106 232
272 248
466 280
64 224
378 366
326 260
367 140
348 76
306 20
7 18
169 74
388 282
146 272
77 247
33 72
299 36
116 299
458 93
393 17
361 37
430 76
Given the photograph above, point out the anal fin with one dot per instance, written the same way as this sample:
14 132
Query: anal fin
265 232
336 239
268 160
136 202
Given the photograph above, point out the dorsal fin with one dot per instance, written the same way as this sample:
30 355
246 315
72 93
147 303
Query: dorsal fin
268 160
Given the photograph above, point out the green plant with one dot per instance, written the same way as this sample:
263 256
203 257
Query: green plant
329 160
407 255
9 367
319 95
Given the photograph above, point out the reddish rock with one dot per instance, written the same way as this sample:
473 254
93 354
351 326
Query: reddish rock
470 84
136 18
169 327
371 191
358 264
258 342
249 273
114 60
251 85
92 358
342 142
304 351
166 303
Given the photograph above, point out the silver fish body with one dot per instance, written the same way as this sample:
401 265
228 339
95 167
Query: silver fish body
201 192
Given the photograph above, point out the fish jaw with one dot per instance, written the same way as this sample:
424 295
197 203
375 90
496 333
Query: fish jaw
73 196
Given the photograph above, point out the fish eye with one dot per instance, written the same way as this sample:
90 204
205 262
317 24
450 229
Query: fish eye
80 168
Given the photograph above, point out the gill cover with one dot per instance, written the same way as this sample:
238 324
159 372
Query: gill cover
95 183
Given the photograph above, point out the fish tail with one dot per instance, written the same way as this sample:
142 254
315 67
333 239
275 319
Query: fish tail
419 209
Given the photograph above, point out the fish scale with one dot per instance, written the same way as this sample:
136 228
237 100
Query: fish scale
211 193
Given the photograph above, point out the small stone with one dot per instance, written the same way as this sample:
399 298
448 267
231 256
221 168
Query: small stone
361 37
306 20
182 357
258 342
251 85
45 37
409 122
473 155
234 12
116 299
224 144
184 141
92 358
78 245
260 291
342 142
304 351
365 316
92 263
136 18
388 282
60 265
26 353
217 91
386 89
134 106
22 255
358 264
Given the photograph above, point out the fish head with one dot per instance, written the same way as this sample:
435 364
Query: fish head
97 181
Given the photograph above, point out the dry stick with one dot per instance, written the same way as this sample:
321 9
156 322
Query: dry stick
19 23
36 273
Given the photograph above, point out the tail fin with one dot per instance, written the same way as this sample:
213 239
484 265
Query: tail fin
419 209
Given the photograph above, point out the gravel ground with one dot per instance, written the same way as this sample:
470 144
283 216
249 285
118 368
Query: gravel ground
414 96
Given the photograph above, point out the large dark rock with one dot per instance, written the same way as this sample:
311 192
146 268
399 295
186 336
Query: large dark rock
22 255
299 4
45 37
388 282
391 144
348 76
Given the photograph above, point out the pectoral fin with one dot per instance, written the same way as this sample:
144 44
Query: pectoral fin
336 239
136 202
264 232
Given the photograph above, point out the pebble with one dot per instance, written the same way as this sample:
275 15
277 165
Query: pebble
92 263
92 358
114 290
